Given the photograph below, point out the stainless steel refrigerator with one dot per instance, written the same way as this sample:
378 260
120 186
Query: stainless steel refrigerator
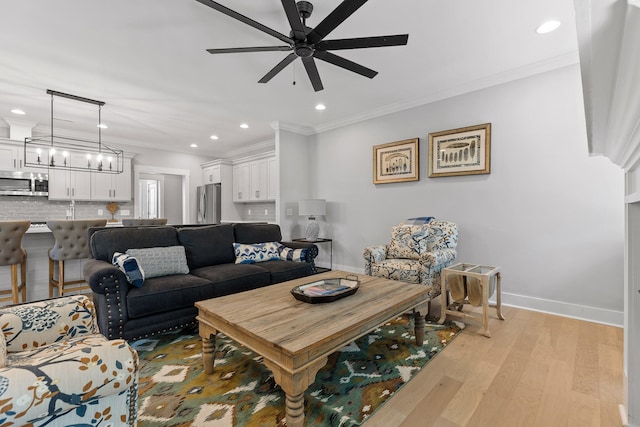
209 204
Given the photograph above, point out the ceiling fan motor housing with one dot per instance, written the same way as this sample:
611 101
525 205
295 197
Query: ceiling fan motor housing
303 50
304 8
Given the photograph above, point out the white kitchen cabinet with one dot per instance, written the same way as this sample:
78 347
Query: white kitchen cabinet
211 175
272 178
258 184
67 184
112 186
12 158
9 158
241 182
254 181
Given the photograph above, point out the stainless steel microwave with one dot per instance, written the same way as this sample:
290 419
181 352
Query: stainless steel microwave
24 184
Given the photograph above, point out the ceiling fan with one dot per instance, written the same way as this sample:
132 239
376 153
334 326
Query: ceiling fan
308 43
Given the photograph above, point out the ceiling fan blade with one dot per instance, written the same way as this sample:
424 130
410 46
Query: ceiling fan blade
312 72
293 16
335 18
281 65
250 49
233 14
344 63
364 42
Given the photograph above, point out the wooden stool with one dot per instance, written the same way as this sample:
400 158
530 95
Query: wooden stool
484 274
71 243
12 253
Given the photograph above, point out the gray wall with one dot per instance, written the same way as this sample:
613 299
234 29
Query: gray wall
548 214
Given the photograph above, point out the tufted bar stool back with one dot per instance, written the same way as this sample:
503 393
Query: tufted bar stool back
13 254
137 222
70 243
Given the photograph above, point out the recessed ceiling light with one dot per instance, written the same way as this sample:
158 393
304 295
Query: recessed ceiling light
18 111
214 137
103 126
548 26
194 146
244 126
321 107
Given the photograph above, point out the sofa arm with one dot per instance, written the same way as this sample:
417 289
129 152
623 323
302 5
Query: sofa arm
37 324
438 258
104 277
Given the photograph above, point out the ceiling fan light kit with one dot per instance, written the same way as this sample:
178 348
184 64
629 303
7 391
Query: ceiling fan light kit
308 43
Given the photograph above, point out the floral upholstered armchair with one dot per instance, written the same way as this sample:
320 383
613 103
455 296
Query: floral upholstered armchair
57 370
416 254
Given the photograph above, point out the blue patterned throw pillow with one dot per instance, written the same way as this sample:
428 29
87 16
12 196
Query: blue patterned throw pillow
257 252
290 254
130 267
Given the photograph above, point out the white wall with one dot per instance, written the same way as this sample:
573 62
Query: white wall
549 215
292 154
175 161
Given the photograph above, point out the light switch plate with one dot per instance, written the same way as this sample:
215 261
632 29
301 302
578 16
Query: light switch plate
289 211
125 212
100 212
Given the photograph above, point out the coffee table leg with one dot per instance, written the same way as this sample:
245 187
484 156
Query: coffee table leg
294 384
208 335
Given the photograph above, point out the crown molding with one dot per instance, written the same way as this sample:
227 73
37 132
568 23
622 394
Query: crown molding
290 127
551 64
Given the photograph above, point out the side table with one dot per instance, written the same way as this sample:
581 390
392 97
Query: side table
484 273
321 240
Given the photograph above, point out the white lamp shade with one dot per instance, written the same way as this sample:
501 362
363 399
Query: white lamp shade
312 207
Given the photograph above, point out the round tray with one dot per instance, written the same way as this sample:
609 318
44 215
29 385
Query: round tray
326 290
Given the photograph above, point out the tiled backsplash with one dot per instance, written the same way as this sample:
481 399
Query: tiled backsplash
258 211
39 209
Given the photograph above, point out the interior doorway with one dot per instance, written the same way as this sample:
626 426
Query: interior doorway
150 203
164 190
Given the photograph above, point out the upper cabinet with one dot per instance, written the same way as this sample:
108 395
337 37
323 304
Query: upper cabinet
252 180
12 158
112 186
66 184
241 182
211 174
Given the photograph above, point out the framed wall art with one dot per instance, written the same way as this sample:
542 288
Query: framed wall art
462 151
396 162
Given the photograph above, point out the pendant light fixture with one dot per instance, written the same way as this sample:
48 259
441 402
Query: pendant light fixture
54 151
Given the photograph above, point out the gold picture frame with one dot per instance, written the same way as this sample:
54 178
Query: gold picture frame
396 162
462 151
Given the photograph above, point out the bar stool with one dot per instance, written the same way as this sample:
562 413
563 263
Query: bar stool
137 222
70 243
12 253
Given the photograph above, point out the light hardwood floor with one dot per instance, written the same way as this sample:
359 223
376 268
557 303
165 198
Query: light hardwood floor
536 370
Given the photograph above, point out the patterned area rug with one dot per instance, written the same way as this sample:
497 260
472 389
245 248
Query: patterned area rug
357 380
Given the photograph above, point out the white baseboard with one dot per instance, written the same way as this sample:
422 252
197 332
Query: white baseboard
582 312
575 311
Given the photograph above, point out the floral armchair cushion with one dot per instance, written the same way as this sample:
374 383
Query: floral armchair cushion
408 241
58 371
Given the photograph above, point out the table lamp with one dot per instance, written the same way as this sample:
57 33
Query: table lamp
312 208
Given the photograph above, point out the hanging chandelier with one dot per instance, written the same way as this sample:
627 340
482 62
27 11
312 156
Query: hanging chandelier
55 151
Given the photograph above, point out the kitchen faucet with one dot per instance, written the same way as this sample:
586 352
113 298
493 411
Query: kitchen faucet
71 213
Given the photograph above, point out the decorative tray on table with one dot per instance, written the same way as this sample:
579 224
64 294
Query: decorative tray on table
326 290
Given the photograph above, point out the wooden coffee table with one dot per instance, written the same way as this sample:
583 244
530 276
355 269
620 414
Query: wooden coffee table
295 337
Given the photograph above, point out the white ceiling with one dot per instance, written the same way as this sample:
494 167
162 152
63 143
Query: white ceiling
146 60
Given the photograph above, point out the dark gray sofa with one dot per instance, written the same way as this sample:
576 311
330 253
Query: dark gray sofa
167 302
